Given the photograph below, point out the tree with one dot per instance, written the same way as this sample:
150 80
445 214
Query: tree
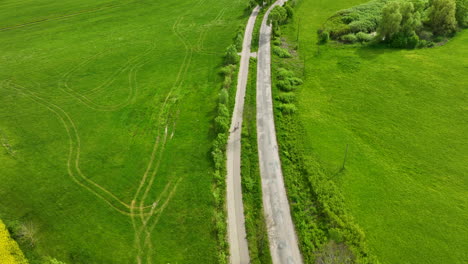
442 16
289 10
231 56
278 15
410 19
462 13
391 20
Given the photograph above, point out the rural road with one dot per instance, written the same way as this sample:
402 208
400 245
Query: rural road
238 246
282 236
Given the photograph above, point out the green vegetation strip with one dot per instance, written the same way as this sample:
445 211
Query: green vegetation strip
257 235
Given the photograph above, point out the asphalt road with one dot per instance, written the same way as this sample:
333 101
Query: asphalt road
238 246
282 236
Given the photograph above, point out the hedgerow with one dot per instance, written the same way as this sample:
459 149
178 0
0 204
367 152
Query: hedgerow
218 153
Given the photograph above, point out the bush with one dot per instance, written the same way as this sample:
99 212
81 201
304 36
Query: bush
425 35
287 108
228 70
224 97
285 85
439 39
223 110
400 40
227 82
295 81
286 97
280 52
363 37
284 74
221 124
362 26
231 56
276 41
349 38
324 37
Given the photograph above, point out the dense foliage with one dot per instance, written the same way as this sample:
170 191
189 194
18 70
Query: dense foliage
400 24
10 253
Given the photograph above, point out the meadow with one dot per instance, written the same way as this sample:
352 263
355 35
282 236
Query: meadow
397 120
106 112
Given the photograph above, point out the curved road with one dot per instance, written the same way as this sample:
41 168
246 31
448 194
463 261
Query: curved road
238 246
282 236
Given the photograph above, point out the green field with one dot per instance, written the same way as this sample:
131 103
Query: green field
107 102
403 114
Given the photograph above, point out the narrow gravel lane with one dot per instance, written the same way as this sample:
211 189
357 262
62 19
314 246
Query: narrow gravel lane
282 236
238 246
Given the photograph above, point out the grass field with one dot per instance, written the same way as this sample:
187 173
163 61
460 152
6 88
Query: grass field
403 115
107 102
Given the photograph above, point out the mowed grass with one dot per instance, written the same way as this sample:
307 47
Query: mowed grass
403 115
92 96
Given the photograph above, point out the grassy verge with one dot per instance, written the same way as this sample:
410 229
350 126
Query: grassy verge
323 222
398 116
255 224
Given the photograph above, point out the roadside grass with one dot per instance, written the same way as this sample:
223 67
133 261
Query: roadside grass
255 224
401 114
173 50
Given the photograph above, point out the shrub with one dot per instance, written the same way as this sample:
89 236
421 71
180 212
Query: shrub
224 97
284 74
228 70
363 37
286 97
349 38
221 124
425 35
287 108
231 56
362 26
280 52
295 81
324 37
285 85
227 82
439 39
223 110
276 41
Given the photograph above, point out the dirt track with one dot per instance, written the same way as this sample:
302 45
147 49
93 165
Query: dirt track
238 246
283 241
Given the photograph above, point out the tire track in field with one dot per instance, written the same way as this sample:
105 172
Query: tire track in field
163 120
61 17
148 216
74 153
132 65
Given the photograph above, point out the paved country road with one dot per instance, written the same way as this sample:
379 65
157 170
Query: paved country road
283 240
238 247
